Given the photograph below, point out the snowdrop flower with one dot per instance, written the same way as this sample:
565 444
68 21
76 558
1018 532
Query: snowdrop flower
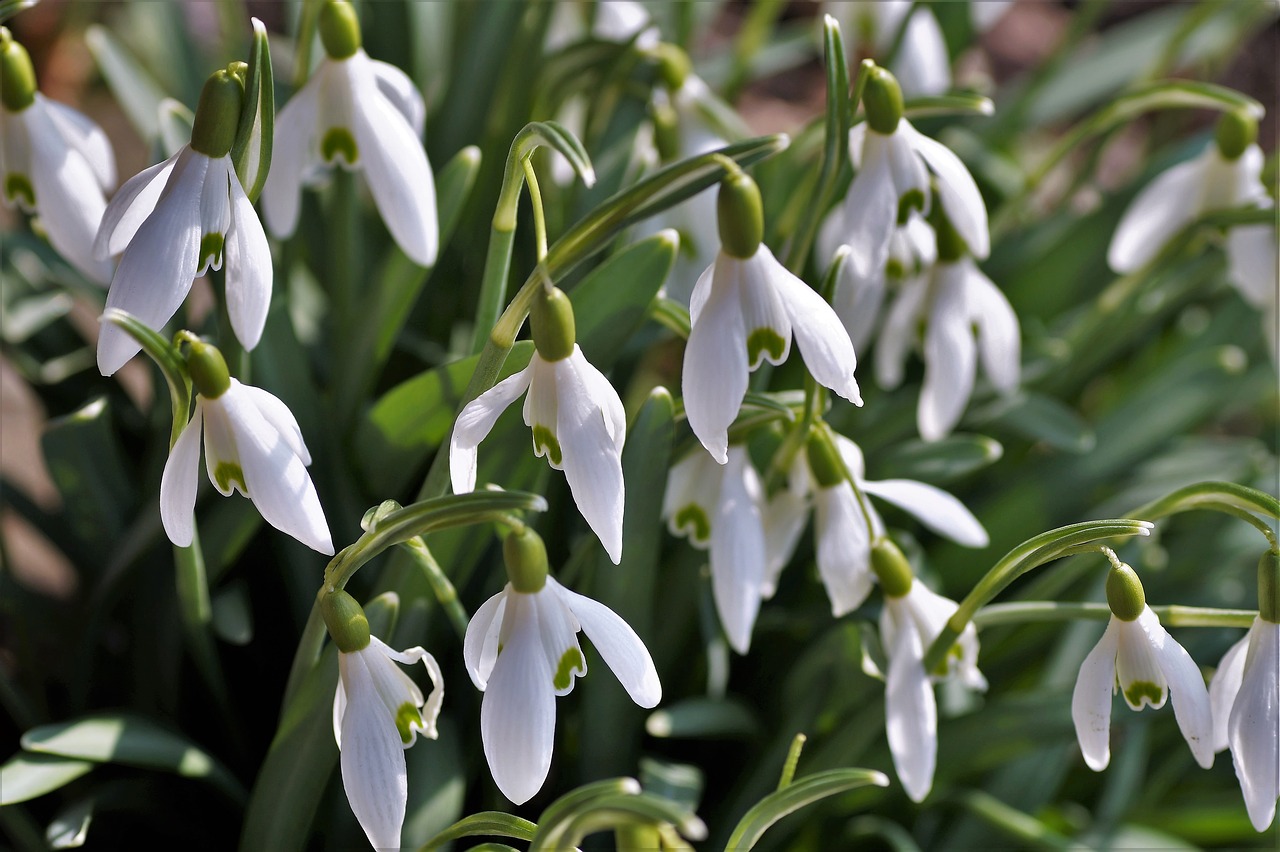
362 114
744 310
1139 657
252 444
719 507
831 474
894 161
54 162
377 714
912 618
521 650
952 302
1227 174
180 218
576 416
1245 697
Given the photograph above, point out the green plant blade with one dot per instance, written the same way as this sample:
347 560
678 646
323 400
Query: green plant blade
792 798
26 776
492 823
134 89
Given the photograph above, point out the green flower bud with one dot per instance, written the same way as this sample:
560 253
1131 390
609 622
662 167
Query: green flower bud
551 320
1269 587
1236 131
17 74
951 246
673 65
740 215
346 621
824 459
882 99
891 568
339 29
218 115
208 370
1124 593
526 558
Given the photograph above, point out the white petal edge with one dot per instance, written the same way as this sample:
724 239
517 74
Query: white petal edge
1186 687
911 715
843 545
1091 699
249 269
737 552
1224 688
1253 729
399 89
131 206
592 460
474 422
294 153
923 65
279 416
824 343
950 358
1158 212
86 137
933 507
999 343
179 481
373 766
714 375
622 649
480 645
957 191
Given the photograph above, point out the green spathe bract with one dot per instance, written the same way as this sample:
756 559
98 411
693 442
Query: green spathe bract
1236 131
526 559
1269 587
891 568
347 624
1124 593
882 98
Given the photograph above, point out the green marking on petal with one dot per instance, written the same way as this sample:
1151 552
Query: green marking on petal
571 660
764 340
895 269
211 250
545 444
17 187
227 473
1140 689
407 716
339 141
694 519
912 200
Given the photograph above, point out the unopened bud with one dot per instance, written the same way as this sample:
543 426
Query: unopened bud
217 115
882 99
551 321
17 74
1236 131
824 459
339 29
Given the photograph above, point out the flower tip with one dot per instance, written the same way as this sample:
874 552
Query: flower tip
589 177
259 28
629 787
879 779
693 828
986 107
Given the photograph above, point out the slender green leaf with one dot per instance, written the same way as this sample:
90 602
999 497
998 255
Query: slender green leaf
26 776
611 303
792 798
1039 418
493 823
954 104
84 456
938 462
167 358
135 90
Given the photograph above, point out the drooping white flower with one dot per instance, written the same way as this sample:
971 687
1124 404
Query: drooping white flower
909 623
1140 659
840 520
1245 700
719 507
252 444
362 114
952 302
377 714
521 650
578 423
54 163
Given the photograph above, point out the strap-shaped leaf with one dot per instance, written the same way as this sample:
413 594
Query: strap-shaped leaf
251 151
494 823
795 796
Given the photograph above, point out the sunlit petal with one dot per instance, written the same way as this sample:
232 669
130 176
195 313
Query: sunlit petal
474 423
179 481
622 650
1091 699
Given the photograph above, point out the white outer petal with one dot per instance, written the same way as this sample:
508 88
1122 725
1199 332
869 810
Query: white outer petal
857 302
1253 261
949 356
397 170
622 650
518 713
693 480
373 767
961 200
933 507
923 66
131 206
714 376
178 483
870 209
1159 211
757 281
999 343
295 152
86 137
1091 699
1224 687
480 646
844 547
159 264
1254 727
279 416
475 421
738 550
784 519
1186 687
249 270
898 335
824 343
428 708
275 475
1136 663
592 458
401 92
911 715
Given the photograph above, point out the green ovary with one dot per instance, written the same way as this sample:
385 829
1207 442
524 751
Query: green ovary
1140 689
545 443
406 717
764 340
18 188
692 518
569 661
339 141
227 473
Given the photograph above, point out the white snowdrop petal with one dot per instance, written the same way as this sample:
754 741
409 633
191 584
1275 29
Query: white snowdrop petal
518 713
1253 729
1158 212
986 13
933 507
765 317
857 303
1142 681
830 237
1224 687
898 334
592 459
373 767
1253 264
824 343
275 476
857 142
558 632
911 716
1186 688
474 423
339 711
399 175
737 553
923 66
701 292
131 206
480 645
871 208
215 210
784 520
294 152
399 89
622 650
950 358
843 547
249 270
178 483
1091 699
999 343
86 137
961 200
159 265
603 395
279 416
714 376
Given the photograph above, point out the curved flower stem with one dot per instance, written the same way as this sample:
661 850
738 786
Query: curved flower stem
1170 616
539 216
1238 501
446 594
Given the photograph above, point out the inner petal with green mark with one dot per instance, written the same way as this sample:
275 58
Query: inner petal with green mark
761 341
18 189
913 199
570 661
338 141
211 251
227 473
407 715
693 519
545 444
1142 692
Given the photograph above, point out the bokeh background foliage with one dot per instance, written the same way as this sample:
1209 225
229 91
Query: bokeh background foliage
1168 384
